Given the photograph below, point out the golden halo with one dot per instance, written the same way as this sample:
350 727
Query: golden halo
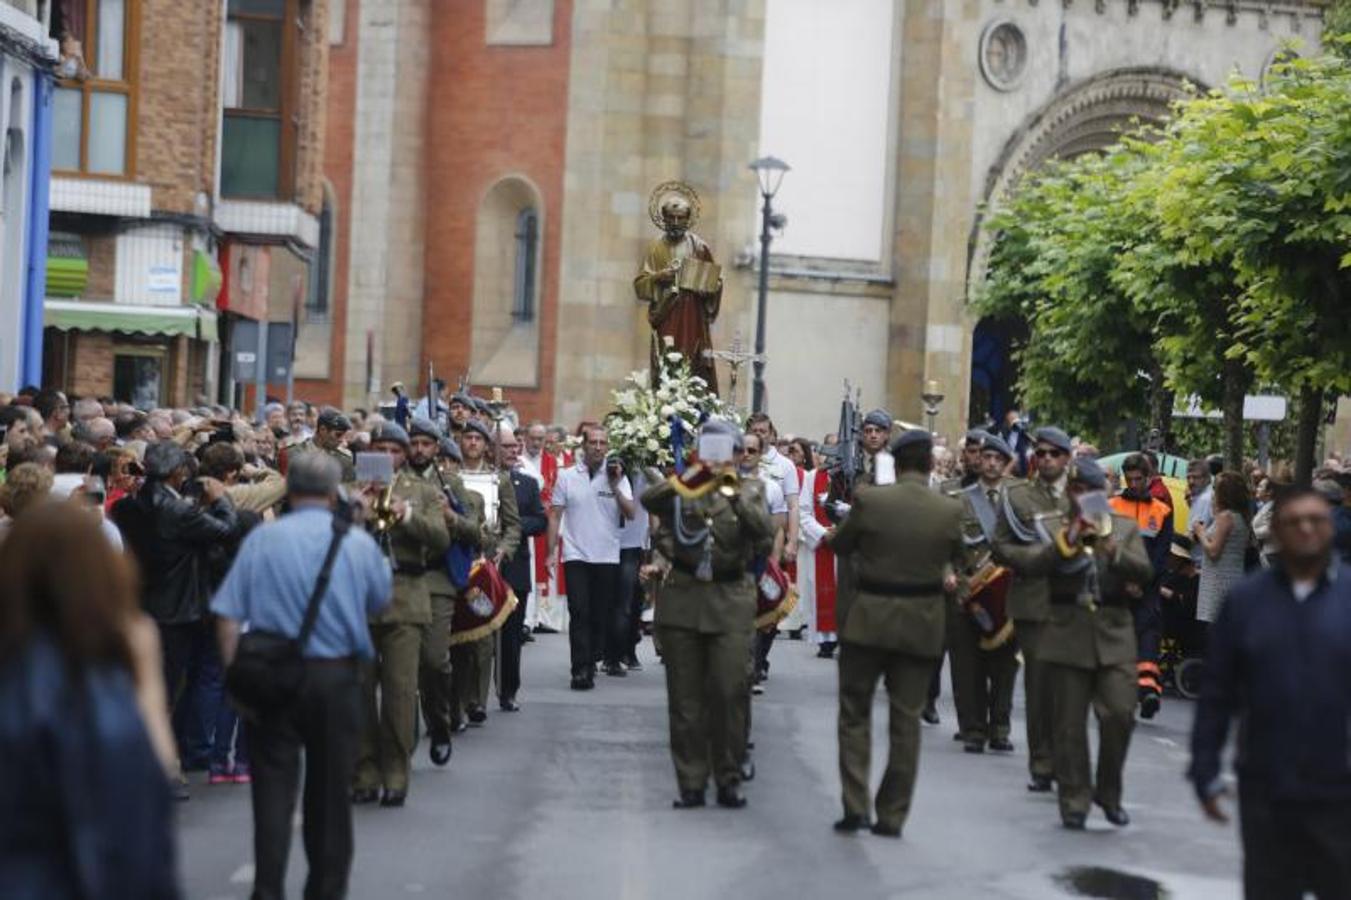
666 189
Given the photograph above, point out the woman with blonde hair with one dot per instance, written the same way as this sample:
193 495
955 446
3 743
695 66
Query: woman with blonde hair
85 807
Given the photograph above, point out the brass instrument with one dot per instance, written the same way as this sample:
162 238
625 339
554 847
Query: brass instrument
382 517
728 482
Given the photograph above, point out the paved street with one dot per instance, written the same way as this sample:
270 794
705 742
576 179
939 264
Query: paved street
571 798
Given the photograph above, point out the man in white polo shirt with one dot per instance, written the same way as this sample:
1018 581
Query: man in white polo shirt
588 508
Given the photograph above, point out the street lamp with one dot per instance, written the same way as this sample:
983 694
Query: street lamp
769 171
933 398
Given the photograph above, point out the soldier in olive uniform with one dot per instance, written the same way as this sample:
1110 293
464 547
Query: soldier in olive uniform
1032 510
905 543
1089 647
417 541
982 680
705 616
434 674
959 641
472 663
328 435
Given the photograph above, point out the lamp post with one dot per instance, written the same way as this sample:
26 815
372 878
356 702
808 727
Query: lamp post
933 398
769 171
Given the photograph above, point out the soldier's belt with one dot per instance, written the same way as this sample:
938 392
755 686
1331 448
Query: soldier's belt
899 589
718 577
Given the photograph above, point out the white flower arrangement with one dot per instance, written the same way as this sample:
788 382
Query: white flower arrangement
640 425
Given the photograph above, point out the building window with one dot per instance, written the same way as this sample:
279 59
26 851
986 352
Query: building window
138 376
504 337
321 280
527 239
94 108
258 132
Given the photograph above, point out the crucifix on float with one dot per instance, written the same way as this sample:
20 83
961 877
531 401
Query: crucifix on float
735 356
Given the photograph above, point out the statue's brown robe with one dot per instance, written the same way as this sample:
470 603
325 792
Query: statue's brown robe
684 316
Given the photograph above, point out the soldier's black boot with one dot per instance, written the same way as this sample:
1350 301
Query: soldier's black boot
851 823
689 800
729 797
440 751
891 831
1116 815
1074 821
1041 784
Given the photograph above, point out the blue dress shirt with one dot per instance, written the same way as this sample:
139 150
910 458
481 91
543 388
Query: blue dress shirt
271 580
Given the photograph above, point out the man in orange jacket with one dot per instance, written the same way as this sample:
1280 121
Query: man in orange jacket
1154 518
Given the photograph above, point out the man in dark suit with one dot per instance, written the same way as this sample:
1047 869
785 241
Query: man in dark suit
905 543
516 569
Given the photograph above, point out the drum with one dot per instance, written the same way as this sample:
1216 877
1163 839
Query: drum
483 607
988 605
485 484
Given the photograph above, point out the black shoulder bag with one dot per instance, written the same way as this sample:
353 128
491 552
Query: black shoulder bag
268 671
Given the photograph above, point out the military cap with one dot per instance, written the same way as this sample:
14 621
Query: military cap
462 398
997 444
163 458
879 418
1085 470
722 426
334 420
389 432
479 428
912 438
424 427
482 406
976 436
1053 436
451 450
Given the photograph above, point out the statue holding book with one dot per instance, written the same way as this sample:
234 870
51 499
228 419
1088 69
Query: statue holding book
680 282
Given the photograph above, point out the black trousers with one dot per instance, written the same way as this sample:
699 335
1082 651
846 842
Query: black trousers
326 723
1293 848
509 644
629 609
592 592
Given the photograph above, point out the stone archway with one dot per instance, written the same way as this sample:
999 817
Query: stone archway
1085 118
507 251
1089 116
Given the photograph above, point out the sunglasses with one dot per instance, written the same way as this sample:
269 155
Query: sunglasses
1043 452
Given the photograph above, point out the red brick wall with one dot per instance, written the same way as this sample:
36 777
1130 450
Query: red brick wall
339 125
492 112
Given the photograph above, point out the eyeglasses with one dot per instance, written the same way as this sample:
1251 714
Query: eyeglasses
1043 452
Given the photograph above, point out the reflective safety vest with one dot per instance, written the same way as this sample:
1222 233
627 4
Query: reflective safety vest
1149 515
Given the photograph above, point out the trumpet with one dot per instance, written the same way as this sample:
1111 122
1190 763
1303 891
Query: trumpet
382 517
728 482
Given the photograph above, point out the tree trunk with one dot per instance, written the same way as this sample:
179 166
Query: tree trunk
1306 437
1237 378
1161 402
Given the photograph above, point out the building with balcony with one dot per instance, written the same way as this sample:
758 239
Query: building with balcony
185 190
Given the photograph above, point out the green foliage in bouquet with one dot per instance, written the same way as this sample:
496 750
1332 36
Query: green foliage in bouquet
640 424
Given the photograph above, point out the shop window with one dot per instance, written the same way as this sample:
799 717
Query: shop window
138 377
258 96
94 108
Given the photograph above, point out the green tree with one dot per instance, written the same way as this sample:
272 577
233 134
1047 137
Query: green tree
1194 307
1260 180
1088 362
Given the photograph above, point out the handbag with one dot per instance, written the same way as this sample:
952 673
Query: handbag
268 671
